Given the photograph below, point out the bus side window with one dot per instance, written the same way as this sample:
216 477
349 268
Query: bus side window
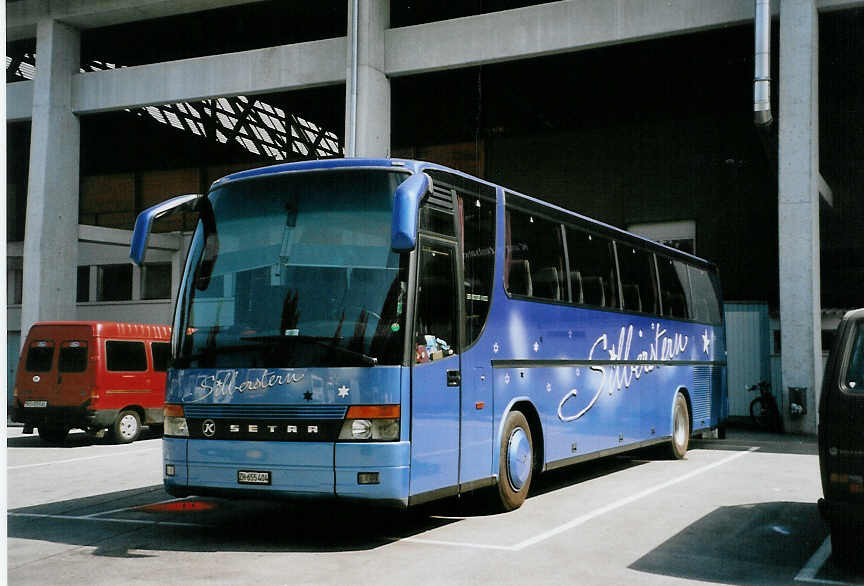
674 287
705 305
592 269
535 248
638 282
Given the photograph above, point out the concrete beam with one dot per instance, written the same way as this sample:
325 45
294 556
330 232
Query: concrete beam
557 27
22 16
283 68
19 101
833 5
101 235
552 28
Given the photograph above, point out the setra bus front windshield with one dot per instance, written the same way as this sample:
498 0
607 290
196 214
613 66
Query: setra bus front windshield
295 270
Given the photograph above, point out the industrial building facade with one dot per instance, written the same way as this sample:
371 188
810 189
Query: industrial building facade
638 113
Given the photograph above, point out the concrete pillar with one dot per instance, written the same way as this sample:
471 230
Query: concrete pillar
51 229
800 304
367 97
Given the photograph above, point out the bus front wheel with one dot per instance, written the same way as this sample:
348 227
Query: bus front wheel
515 462
680 428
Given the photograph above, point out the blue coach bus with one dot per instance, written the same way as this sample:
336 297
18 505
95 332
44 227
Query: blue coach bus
396 331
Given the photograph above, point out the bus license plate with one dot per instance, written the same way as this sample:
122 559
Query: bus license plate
35 404
253 477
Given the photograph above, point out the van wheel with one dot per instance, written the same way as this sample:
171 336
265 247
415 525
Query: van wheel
677 448
127 428
53 434
515 462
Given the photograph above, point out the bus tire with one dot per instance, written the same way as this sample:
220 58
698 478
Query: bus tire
53 434
127 427
515 463
677 448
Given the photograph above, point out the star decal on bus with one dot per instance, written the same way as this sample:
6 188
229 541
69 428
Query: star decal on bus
307 396
343 391
706 342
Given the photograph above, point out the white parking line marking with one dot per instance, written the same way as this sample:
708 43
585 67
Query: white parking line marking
21 467
88 518
588 516
815 563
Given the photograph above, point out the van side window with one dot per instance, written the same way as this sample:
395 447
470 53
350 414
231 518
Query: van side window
126 356
39 356
161 356
73 357
854 377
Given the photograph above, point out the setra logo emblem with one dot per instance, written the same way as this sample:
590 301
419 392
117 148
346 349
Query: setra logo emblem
209 428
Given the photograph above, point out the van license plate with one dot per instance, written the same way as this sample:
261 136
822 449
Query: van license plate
35 404
253 477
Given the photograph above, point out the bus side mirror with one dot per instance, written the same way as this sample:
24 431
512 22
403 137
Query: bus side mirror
406 205
144 223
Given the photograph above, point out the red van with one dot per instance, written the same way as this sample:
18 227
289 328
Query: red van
95 376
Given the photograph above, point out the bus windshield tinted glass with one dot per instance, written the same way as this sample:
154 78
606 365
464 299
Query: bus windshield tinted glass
296 270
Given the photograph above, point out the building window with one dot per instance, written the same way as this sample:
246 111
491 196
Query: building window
156 281
114 283
14 285
680 235
83 286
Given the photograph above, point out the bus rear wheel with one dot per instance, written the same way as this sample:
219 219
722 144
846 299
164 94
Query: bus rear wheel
53 434
127 427
515 462
677 448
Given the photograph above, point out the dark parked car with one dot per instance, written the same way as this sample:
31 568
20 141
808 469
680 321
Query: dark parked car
841 441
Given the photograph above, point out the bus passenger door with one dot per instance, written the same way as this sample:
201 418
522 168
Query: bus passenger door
436 379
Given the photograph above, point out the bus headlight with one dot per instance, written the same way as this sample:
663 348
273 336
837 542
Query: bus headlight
371 423
175 422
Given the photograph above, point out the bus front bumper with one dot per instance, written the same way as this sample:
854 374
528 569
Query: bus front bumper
357 471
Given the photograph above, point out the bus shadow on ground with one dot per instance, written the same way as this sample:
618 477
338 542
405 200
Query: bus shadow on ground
128 524
764 543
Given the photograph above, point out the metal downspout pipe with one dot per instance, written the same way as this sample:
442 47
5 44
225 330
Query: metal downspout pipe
352 107
762 64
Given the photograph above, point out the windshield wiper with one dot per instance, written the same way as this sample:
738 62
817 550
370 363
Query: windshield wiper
326 341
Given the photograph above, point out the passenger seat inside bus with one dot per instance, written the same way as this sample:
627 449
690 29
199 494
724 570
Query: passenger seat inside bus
519 281
594 290
576 285
547 284
632 296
